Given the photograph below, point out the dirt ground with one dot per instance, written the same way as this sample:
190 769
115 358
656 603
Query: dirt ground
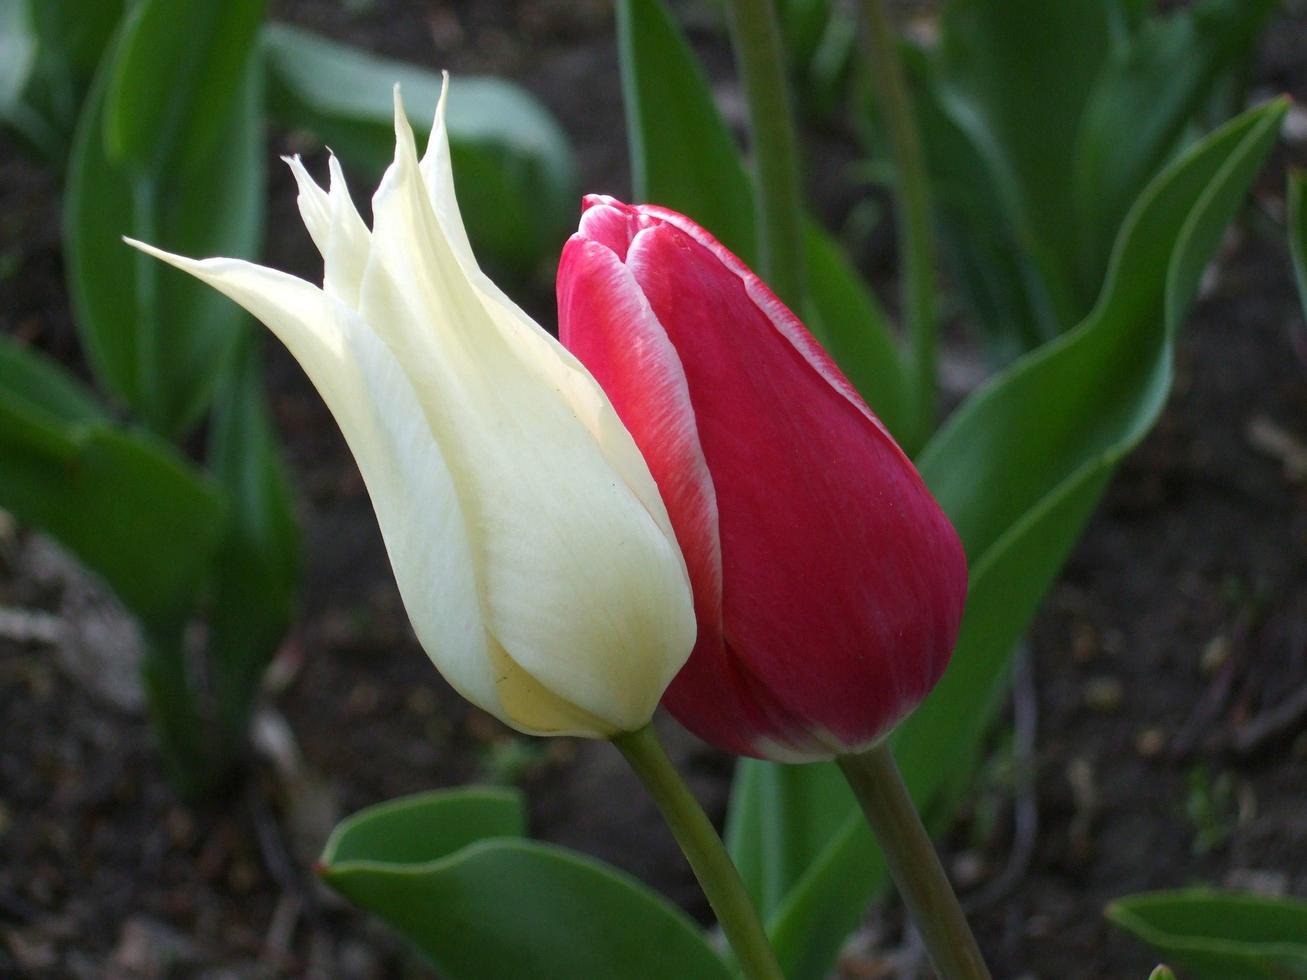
1158 733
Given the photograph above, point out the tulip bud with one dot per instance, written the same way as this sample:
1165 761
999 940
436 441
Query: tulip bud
828 583
533 553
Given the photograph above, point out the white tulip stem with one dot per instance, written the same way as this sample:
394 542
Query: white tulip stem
704 849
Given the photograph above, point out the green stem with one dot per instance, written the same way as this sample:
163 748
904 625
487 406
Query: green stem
757 41
707 856
174 715
914 864
912 192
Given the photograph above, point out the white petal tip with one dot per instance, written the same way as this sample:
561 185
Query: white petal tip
444 97
147 248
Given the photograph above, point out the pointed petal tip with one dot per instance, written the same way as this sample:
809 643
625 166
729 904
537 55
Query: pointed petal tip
153 250
438 126
405 145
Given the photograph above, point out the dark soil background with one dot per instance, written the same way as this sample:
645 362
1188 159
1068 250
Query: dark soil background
1158 734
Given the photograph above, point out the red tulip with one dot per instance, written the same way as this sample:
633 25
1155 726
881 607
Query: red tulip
828 583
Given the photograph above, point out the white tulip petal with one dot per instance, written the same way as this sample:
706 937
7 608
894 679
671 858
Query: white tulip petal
532 549
312 201
406 477
555 523
438 175
572 379
337 230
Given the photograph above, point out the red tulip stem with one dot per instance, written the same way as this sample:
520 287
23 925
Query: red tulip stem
704 849
912 198
913 863
756 38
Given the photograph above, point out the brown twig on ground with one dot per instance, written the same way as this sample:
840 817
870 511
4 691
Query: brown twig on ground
1271 725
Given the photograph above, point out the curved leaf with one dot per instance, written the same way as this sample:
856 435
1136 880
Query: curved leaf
447 871
158 339
1152 87
424 827
171 93
126 504
1020 468
1296 206
1217 935
257 569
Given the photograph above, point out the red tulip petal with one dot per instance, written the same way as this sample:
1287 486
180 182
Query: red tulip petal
843 581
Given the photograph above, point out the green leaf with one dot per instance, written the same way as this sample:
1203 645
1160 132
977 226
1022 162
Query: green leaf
157 339
1020 468
257 568
998 278
171 93
780 820
423 827
682 155
1218 935
1015 77
74 33
683 158
17 53
1296 206
28 376
1152 87
513 167
448 872
125 503
1034 97
1161 972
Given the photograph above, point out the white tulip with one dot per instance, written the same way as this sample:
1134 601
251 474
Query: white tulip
529 541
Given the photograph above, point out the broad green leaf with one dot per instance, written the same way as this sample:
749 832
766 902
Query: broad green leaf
1020 468
17 53
175 81
74 33
40 381
1152 87
1015 75
999 280
820 39
48 53
448 871
424 827
1215 935
802 24
513 167
1034 97
123 502
257 567
157 339
684 158
780 820
1296 205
